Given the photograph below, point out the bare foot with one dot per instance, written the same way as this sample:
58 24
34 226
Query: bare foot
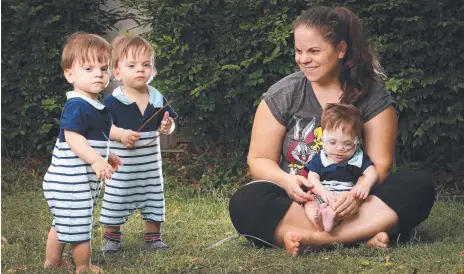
318 220
380 240
64 264
314 214
93 269
292 243
96 269
328 217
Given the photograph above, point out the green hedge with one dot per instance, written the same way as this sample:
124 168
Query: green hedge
422 48
218 57
33 85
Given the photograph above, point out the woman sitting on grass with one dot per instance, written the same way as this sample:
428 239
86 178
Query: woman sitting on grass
336 67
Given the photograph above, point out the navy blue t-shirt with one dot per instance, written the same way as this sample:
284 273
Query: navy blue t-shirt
83 117
342 172
128 116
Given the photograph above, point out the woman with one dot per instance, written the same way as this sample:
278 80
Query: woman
336 67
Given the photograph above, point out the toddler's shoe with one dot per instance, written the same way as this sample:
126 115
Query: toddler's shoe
157 244
113 242
112 246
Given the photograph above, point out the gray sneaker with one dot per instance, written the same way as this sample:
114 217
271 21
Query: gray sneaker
112 246
157 244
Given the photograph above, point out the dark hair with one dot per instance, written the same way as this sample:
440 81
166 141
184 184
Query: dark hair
346 116
360 63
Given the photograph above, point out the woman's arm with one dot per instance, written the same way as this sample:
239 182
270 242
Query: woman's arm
380 135
265 148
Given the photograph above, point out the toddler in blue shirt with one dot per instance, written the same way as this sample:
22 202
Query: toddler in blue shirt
139 184
81 157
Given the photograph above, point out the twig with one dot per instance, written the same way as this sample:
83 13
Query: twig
223 241
153 116
148 120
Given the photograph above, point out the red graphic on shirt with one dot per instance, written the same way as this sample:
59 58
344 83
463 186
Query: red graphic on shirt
305 145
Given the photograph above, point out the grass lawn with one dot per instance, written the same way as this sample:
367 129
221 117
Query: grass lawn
196 221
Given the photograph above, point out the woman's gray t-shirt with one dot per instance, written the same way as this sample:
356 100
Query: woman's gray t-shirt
294 105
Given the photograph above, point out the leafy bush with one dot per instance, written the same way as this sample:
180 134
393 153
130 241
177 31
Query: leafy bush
422 50
33 86
218 57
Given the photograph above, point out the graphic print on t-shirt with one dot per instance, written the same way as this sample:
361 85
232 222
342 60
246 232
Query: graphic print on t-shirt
306 143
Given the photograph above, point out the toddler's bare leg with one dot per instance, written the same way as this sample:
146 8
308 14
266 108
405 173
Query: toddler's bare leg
53 252
152 227
81 253
312 211
112 229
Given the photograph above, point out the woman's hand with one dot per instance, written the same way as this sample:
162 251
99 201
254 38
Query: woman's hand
329 197
346 205
293 184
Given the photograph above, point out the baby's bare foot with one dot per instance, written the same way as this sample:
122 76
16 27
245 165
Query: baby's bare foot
65 264
318 220
380 240
328 217
314 215
292 243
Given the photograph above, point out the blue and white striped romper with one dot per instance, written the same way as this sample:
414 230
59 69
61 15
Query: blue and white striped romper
70 185
139 182
339 177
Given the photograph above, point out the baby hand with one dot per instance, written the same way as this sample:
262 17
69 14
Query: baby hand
129 137
114 161
166 124
329 197
360 191
102 169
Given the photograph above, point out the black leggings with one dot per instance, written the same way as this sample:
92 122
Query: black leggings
257 208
